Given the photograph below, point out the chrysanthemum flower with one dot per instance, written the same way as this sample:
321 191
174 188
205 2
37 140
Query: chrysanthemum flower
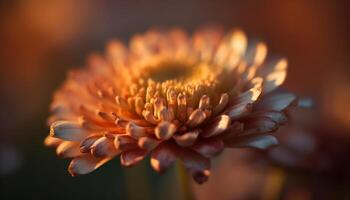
172 97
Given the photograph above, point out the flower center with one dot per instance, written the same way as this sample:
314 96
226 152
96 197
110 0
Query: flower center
170 70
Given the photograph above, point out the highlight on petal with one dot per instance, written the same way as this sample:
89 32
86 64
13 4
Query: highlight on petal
217 126
276 77
52 142
196 118
256 53
209 148
67 130
238 42
68 149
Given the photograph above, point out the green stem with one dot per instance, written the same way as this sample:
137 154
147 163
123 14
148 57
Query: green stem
137 182
184 185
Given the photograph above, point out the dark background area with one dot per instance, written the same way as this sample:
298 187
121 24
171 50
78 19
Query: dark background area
40 40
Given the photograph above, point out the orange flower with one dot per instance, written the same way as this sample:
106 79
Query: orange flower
170 96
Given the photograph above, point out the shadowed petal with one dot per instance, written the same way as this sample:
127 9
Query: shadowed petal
86 144
259 125
217 126
147 143
162 157
209 148
274 72
165 130
85 164
187 139
259 142
198 165
130 158
277 102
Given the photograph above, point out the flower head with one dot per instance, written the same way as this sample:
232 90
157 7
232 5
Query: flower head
172 97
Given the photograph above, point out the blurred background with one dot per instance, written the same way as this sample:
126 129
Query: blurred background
40 40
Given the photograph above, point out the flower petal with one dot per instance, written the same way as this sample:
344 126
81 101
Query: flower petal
274 74
198 165
67 130
68 149
165 130
237 111
209 148
259 125
162 157
135 131
217 127
85 164
124 143
104 147
224 99
187 139
196 118
52 142
260 142
256 53
277 102
86 143
147 143
130 158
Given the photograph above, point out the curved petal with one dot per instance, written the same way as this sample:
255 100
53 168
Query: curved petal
85 164
68 149
277 101
260 142
216 127
132 157
67 130
162 157
104 147
209 148
52 142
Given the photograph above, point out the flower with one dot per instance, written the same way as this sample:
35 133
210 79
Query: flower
172 97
